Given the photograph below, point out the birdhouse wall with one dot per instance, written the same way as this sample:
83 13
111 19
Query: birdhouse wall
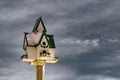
40 50
25 44
32 52
52 53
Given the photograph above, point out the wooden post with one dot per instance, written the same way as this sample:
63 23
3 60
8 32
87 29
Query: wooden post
39 72
39 69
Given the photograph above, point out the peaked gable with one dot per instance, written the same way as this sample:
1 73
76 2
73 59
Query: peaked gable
44 37
39 26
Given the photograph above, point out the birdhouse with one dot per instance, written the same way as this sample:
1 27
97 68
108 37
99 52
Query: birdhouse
38 45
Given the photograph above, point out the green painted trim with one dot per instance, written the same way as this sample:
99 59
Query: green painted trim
44 46
25 38
41 38
24 43
51 41
37 24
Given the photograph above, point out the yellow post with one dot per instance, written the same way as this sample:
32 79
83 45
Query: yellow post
39 72
39 69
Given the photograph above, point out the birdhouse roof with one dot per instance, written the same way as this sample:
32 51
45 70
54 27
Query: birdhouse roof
51 41
34 39
38 21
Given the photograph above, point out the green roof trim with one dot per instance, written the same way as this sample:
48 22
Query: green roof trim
37 24
51 41
24 41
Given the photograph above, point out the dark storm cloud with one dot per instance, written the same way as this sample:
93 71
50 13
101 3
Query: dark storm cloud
93 20
86 35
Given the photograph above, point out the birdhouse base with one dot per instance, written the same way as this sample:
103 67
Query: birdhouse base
52 61
45 59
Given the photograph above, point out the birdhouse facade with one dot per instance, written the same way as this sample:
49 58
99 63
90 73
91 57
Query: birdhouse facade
38 45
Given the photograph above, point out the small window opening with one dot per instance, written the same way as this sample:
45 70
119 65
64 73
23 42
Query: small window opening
44 43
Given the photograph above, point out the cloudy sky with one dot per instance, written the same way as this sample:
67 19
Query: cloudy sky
87 37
